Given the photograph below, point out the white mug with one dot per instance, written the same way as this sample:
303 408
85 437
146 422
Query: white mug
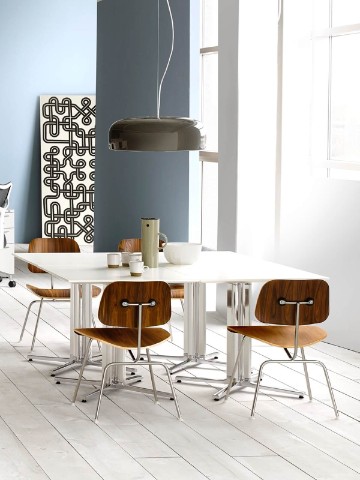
137 268
125 258
113 260
136 256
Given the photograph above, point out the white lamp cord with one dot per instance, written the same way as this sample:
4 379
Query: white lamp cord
168 62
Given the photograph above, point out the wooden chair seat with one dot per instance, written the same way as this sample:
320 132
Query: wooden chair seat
177 290
282 336
126 338
58 293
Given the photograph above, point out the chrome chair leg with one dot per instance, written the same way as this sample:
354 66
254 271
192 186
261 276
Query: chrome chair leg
329 387
82 371
26 318
36 325
94 325
237 361
257 387
171 395
101 391
152 376
172 390
304 361
306 374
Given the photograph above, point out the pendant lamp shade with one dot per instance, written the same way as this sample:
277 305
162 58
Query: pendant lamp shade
157 134
165 134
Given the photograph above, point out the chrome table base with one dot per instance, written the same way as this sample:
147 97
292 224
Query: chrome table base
193 362
238 312
195 334
128 384
67 362
248 383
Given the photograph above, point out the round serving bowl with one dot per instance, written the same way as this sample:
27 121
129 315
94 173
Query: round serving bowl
182 253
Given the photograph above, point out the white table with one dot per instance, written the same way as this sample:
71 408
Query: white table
240 271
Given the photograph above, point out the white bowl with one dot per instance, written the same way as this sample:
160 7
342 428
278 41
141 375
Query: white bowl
181 253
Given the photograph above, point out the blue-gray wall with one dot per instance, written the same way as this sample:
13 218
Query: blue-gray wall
46 47
49 47
131 185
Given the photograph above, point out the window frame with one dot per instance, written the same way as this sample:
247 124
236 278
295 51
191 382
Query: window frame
205 155
334 168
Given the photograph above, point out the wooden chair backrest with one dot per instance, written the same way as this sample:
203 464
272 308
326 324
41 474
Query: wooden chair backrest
132 245
269 310
51 245
111 312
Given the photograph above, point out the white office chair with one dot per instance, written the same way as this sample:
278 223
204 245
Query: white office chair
5 190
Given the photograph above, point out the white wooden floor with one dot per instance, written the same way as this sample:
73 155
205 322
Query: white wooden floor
43 436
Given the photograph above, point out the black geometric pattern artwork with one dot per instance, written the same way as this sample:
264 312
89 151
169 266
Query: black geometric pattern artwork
68 166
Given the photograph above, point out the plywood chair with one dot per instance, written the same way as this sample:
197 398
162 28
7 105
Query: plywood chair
292 307
49 245
135 311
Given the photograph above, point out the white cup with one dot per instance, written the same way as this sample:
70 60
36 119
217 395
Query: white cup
135 257
113 260
125 256
137 268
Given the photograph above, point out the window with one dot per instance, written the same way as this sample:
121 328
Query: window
209 114
336 93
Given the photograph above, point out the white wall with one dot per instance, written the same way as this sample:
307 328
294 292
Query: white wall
228 124
319 229
320 232
46 47
247 118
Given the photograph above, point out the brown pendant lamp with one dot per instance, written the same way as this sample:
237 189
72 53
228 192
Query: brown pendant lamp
157 134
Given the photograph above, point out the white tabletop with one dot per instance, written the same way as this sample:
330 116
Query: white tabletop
212 267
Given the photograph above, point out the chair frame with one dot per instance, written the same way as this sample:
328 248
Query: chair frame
65 361
292 359
128 383
41 301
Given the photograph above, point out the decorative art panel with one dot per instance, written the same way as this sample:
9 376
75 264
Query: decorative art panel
67 124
